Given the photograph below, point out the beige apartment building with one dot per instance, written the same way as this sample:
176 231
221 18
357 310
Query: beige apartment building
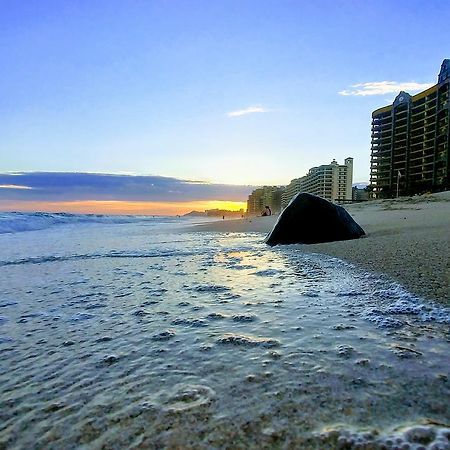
265 196
331 181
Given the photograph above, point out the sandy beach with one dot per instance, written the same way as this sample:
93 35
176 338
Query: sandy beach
406 239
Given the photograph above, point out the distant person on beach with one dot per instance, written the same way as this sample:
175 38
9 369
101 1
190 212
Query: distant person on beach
267 211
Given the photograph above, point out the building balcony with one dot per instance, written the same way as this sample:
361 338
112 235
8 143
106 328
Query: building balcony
380 144
416 112
381 161
417 122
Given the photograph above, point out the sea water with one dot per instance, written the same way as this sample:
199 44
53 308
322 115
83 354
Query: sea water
131 332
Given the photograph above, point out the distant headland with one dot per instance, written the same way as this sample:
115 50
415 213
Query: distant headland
216 213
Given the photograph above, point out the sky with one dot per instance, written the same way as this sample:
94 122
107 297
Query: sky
115 194
222 92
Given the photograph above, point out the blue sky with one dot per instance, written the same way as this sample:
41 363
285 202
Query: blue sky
242 92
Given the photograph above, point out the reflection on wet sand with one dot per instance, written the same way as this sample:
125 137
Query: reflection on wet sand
216 341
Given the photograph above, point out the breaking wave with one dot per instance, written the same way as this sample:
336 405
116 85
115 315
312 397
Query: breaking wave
112 254
15 222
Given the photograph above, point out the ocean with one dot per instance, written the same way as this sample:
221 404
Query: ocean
134 332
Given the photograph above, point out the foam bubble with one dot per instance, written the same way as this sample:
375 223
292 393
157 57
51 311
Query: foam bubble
352 293
81 317
415 437
344 351
249 341
108 360
163 335
190 322
187 396
268 273
211 288
244 318
381 320
215 316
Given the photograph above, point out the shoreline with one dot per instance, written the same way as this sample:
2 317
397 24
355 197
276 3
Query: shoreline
407 239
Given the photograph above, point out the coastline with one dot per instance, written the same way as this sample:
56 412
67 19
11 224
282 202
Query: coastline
407 239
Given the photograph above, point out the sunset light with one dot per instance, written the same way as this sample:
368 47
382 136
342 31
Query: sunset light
122 207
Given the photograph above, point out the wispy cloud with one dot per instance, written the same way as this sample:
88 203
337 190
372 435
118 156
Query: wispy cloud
14 186
249 110
383 87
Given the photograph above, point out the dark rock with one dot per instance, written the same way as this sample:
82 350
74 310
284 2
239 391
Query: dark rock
309 219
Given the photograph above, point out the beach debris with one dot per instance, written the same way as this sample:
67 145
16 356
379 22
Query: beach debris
309 219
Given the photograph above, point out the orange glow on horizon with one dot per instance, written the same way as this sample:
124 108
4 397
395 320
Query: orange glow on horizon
122 207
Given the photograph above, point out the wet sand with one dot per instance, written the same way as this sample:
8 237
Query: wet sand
407 239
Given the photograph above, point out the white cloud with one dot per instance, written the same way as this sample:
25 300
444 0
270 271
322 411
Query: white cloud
14 186
384 87
249 110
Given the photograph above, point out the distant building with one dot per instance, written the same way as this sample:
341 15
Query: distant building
331 181
264 196
410 142
359 195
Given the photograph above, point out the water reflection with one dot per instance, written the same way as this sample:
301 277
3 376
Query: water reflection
220 340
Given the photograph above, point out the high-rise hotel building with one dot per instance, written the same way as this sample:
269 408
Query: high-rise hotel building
265 196
330 181
410 142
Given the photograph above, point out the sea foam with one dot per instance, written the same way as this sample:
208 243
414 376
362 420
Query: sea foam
135 335
15 222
